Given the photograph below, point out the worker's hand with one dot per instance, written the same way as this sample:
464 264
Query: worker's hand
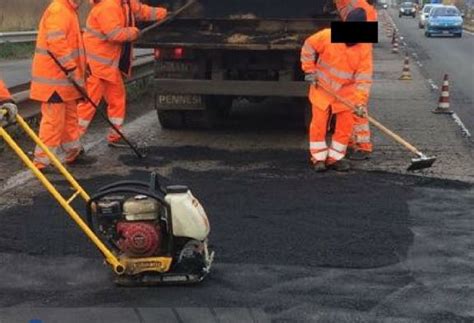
360 110
310 78
8 112
134 33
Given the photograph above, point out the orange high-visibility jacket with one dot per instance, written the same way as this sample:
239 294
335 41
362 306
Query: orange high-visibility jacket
59 33
346 71
108 27
4 93
346 6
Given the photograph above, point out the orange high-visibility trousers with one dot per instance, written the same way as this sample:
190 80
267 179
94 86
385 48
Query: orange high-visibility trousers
58 130
322 152
114 94
361 135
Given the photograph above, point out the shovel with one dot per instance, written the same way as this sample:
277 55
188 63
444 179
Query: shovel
421 162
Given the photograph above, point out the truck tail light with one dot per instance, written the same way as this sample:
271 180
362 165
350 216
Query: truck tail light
178 53
157 53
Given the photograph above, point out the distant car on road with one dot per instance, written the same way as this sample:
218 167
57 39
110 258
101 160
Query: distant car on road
425 12
407 9
444 20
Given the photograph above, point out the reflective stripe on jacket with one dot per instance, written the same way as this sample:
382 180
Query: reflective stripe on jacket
346 6
4 93
108 28
346 71
59 32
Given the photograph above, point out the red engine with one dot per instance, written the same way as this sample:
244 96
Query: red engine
139 239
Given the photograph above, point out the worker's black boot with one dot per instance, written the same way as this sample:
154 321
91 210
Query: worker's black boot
319 167
342 165
118 144
83 160
359 155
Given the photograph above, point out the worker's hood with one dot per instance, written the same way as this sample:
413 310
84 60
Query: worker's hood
75 3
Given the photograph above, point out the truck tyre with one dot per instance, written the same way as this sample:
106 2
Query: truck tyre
171 119
427 34
222 104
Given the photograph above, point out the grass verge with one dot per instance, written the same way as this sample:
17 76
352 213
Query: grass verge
16 50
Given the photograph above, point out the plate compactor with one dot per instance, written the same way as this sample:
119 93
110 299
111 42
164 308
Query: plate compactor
149 235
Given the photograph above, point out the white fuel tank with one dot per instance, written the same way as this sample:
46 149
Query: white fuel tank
188 216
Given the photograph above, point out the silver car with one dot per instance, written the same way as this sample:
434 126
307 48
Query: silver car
425 12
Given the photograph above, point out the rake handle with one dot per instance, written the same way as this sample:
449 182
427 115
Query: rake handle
377 124
170 17
394 136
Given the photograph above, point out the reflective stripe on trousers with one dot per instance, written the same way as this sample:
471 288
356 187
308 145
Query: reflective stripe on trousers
361 127
318 150
337 150
40 155
362 139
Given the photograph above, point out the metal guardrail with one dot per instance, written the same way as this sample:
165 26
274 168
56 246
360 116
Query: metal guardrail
18 37
142 68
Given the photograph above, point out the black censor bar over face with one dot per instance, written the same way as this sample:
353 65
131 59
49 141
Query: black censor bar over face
354 32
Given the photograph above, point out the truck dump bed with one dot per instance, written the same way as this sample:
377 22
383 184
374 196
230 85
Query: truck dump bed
240 24
259 9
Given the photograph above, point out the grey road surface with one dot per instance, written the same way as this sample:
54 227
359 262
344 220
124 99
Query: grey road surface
15 72
440 55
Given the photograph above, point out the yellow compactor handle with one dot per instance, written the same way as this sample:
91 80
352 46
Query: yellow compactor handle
117 265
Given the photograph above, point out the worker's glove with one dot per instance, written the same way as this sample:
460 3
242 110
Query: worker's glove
134 33
360 110
8 112
310 78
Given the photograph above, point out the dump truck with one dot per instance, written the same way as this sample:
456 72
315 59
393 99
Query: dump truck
220 50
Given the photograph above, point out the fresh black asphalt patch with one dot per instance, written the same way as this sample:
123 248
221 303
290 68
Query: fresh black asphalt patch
275 230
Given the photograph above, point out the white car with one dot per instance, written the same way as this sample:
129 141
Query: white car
425 12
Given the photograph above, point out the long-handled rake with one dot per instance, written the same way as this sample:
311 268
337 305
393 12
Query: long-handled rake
421 162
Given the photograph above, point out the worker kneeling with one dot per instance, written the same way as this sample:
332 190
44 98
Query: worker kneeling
344 69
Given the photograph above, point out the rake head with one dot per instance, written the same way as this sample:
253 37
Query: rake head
421 163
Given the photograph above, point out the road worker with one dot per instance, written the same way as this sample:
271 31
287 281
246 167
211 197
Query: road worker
5 95
346 70
6 102
360 145
59 36
344 7
108 35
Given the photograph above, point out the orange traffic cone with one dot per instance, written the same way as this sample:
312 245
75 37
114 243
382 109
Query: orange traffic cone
406 74
443 102
395 43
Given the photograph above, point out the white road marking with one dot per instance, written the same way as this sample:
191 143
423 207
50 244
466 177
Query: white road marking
434 87
459 122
